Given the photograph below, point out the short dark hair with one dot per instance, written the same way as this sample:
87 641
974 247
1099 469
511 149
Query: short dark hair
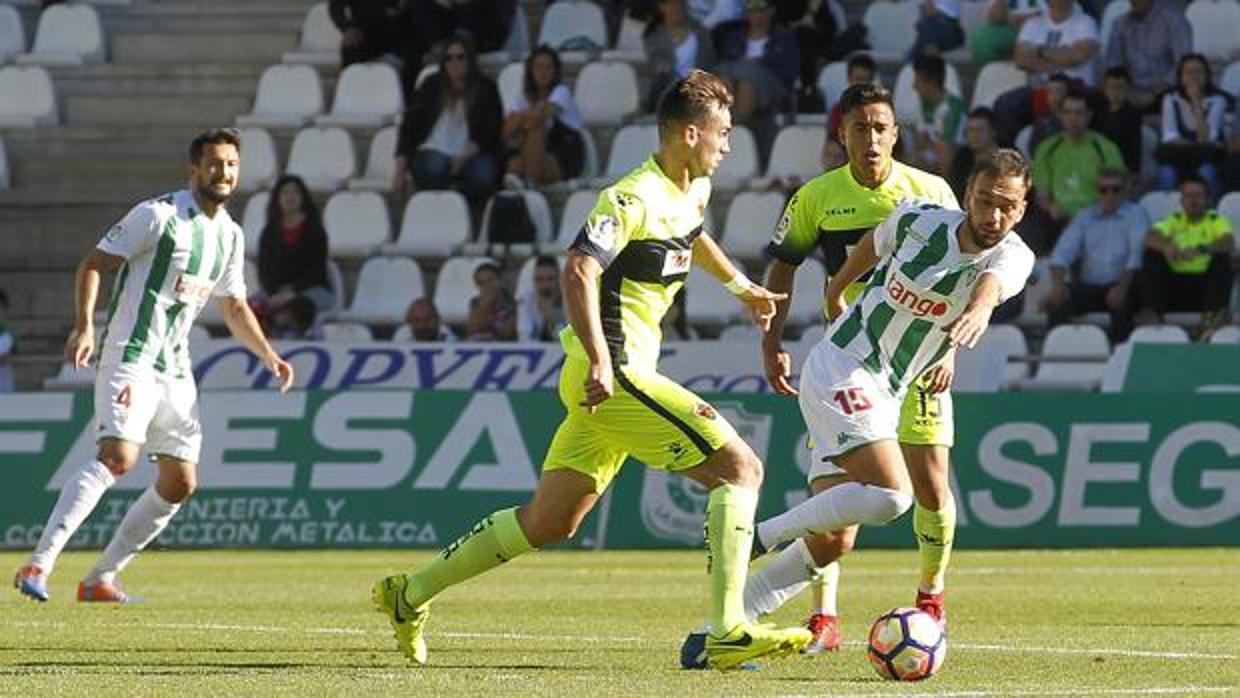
862 60
1112 173
1079 95
985 114
863 95
213 136
932 66
1119 72
546 260
691 98
1192 178
1002 162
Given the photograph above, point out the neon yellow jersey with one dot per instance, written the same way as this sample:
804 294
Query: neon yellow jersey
832 211
641 231
1204 231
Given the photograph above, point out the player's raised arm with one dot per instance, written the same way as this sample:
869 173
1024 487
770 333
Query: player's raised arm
862 259
761 303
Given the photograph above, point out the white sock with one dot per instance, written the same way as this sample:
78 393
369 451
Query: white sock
144 520
843 505
825 588
77 500
785 576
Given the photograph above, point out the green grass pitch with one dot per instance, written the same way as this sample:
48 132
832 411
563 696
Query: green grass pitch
229 623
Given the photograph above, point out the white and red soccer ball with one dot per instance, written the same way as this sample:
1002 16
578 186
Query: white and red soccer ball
906 644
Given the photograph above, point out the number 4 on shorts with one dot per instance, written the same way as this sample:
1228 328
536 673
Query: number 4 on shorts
852 400
124 397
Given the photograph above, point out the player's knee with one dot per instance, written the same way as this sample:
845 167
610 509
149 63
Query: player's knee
547 530
889 504
935 497
177 489
117 460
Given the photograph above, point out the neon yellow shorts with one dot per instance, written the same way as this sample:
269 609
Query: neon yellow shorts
926 417
649 416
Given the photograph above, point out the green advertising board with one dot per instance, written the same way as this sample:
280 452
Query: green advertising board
417 468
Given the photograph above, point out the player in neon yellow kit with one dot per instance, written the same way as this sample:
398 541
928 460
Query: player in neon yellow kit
623 271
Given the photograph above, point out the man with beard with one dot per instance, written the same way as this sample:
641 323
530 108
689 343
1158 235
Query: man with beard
174 252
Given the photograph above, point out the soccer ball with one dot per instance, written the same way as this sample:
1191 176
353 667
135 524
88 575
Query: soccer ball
906 644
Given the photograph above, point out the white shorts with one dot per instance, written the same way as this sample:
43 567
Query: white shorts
142 406
844 407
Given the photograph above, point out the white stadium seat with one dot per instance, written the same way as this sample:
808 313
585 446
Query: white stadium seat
908 106
569 21
1229 207
1023 140
1159 334
1229 83
261 165
323 157
320 39
573 216
1114 10
741 164
606 93
335 282
1160 204
707 302
4 166
808 288
12 34
1071 340
368 95
70 378
832 81
994 79
751 221
67 35
1229 334
631 146
510 83
357 223
380 162
986 368
347 332
253 220
797 153
27 97
454 287
385 288
741 333
287 96
629 44
889 29
1214 24
435 224
539 212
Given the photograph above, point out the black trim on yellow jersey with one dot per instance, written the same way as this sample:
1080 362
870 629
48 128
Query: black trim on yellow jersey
640 261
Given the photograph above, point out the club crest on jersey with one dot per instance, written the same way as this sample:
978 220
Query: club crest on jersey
705 411
602 232
918 305
677 262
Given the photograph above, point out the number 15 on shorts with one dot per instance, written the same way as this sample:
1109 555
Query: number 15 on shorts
852 400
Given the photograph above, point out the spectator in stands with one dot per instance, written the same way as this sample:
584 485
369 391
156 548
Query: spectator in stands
540 313
993 41
453 130
979 140
1118 118
371 30
1065 171
940 123
1231 161
294 320
1047 102
1193 115
676 43
486 22
1149 40
1187 264
292 252
712 13
815 28
760 61
6 346
861 70
422 317
493 312
938 28
544 125
1104 244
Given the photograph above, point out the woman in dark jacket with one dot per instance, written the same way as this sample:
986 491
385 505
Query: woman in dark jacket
452 132
292 249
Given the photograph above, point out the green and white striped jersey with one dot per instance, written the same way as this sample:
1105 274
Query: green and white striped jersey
175 260
922 283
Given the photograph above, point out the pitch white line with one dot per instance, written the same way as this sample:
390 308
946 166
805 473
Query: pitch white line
1158 691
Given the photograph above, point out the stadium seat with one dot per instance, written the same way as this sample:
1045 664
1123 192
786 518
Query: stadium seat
261 162
629 47
1023 140
347 332
1159 334
357 224
435 225
335 282
832 81
889 29
1229 206
511 82
68 34
573 216
908 106
539 211
797 153
1229 83
1214 24
4 166
385 288
323 157
12 34
287 96
988 367
741 333
751 220
1114 10
253 220
707 303
27 97
1160 204
1073 341
741 165
994 79
807 294
630 147
1229 334
368 95
380 162
570 25
320 39
606 93
454 288
70 378
516 47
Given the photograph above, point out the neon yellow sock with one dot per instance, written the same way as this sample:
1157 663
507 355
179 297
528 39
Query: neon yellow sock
491 542
729 533
935 532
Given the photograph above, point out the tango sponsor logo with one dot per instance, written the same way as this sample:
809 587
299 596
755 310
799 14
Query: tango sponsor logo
916 304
